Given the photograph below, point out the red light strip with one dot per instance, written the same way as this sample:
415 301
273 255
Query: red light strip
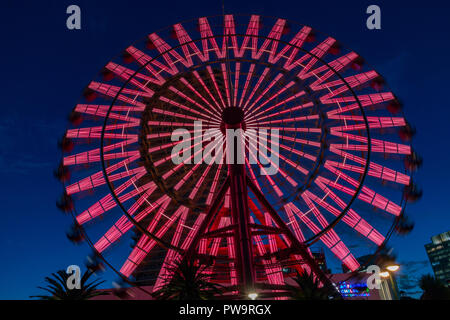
123 225
97 179
210 112
147 61
211 74
247 82
279 113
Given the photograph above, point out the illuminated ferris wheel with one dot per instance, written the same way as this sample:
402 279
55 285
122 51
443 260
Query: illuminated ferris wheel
331 170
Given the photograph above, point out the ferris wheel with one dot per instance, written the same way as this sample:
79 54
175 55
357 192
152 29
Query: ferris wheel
325 151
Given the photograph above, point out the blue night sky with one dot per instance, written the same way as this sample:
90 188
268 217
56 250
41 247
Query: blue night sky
45 67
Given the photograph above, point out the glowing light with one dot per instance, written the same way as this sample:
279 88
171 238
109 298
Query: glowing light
253 295
384 274
393 267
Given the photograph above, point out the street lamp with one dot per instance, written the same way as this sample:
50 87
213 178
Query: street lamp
384 274
393 267
253 295
389 273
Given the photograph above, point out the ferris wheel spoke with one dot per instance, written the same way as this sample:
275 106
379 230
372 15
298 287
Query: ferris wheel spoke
255 88
345 85
252 109
175 114
146 61
282 102
96 132
330 70
213 190
290 149
169 157
194 168
113 92
93 156
123 225
205 87
188 85
227 83
330 238
236 83
375 170
202 178
97 179
175 256
378 146
202 116
171 255
212 112
102 111
295 227
252 174
173 170
295 140
128 75
289 110
270 180
352 219
366 194
107 203
289 129
160 135
216 86
170 124
264 173
167 52
146 244
247 82
283 174
294 45
174 143
313 56
289 120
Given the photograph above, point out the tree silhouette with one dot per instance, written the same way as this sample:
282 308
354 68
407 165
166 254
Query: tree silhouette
57 287
308 288
433 289
189 282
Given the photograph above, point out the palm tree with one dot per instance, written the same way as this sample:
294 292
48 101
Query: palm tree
308 288
189 282
433 289
57 287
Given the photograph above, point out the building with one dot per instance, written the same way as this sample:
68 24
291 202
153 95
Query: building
439 254
363 261
319 257
354 287
357 289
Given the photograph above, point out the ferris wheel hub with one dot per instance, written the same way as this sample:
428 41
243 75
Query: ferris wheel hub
232 116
